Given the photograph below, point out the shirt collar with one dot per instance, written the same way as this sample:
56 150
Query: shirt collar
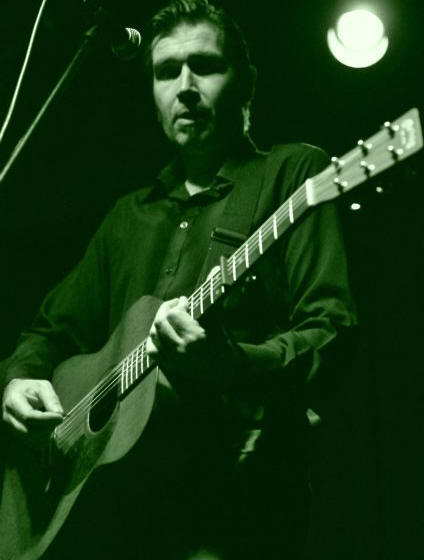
171 178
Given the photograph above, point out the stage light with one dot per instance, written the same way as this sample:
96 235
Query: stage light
359 39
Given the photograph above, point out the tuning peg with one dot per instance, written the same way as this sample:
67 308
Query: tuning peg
364 147
391 128
341 185
367 167
396 153
355 206
338 163
250 279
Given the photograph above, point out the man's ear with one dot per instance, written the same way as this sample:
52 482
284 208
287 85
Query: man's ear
249 86
253 79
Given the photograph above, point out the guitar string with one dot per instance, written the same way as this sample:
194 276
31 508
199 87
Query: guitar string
110 380
107 382
67 432
281 213
102 388
69 424
113 377
318 181
238 256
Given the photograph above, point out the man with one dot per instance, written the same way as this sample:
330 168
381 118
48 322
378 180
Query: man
236 486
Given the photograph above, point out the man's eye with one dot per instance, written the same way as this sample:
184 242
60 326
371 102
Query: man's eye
167 72
203 66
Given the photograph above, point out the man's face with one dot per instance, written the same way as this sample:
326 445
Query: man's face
194 86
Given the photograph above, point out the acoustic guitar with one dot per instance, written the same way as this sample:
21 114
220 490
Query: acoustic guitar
108 396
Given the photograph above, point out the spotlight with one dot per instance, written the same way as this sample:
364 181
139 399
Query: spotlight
359 39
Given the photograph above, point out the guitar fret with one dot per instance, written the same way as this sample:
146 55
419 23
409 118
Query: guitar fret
191 308
234 268
122 382
261 247
246 255
201 299
291 215
143 347
211 289
274 226
130 365
125 374
134 367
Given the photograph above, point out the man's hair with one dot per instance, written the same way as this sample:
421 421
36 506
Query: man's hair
235 46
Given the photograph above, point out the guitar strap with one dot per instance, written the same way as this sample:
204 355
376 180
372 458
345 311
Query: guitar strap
236 221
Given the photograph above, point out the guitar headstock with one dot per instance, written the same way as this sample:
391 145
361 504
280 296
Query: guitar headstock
396 141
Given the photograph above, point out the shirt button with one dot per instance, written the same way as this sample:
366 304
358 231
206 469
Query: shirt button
184 225
168 270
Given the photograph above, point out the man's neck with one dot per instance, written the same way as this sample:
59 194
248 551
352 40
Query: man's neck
202 164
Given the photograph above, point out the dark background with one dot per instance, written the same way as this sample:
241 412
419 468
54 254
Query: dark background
99 141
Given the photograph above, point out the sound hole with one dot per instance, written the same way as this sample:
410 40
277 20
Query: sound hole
102 407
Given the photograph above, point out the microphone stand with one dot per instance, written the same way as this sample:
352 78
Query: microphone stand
64 80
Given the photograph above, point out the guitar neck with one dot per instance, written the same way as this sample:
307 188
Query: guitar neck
395 142
250 251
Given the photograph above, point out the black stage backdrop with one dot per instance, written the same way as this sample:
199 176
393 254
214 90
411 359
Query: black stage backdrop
100 140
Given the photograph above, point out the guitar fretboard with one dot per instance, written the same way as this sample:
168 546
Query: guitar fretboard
249 252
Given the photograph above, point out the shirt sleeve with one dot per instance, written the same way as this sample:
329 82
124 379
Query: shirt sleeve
313 264
71 320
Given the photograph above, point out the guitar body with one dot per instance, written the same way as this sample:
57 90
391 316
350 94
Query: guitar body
40 487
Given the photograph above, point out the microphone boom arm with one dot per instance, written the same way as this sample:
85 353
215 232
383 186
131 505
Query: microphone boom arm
63 81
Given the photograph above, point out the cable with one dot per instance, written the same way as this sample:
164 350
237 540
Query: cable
23 70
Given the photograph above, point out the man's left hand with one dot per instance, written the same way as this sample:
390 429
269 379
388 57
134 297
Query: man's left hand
175 337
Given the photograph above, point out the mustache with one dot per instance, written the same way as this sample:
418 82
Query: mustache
195 113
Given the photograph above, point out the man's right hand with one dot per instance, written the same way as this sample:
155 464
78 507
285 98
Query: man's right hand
31 407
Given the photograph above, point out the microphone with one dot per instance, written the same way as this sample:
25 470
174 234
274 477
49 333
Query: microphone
128 44
125 42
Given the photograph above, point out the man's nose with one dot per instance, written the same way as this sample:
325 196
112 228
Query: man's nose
187 91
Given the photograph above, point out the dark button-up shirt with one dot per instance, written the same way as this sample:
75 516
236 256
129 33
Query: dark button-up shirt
154 241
